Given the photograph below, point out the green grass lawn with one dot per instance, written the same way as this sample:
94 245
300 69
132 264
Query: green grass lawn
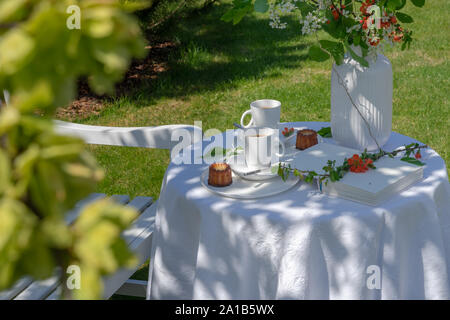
220 68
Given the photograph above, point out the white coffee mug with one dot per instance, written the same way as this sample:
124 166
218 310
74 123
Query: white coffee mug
261 147
264 113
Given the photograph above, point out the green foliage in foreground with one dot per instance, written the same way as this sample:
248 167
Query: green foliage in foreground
42 174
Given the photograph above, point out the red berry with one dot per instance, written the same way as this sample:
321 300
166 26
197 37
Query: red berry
398 38
375 42
335 14
418 155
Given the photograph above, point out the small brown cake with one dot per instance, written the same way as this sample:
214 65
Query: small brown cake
219 175
306 138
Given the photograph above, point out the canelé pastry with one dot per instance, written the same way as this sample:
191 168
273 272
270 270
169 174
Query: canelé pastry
306 138
219 175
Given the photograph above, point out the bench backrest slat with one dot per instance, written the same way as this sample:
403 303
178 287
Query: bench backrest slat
159 137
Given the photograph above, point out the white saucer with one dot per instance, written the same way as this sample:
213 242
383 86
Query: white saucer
288 140
237 164
245 189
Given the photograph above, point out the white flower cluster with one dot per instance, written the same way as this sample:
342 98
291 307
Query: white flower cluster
324 4
276 10
311 23
275 21
345 13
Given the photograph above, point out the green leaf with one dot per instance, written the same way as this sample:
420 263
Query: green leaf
304 8
413 161
222 152
16 48
317 54
238 12
393 4
335 48
349 22
334 28
418 3
136 5
402 5
214 152
361 60
228 16
403 17
9 117
5 171
16 230
261 6
356 39
334 176
325 132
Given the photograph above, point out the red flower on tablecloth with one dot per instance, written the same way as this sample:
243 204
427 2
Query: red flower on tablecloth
287 132
359 165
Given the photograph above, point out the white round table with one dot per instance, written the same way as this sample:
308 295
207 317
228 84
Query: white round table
301 244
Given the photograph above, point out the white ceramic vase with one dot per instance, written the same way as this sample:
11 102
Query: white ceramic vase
371 90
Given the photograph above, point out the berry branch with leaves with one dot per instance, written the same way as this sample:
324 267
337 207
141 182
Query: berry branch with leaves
357 164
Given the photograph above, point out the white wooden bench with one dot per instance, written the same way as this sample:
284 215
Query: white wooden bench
138 236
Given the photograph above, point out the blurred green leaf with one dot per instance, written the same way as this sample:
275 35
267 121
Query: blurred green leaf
51 173
418 3
240 9
403 17
413 161
16 228
16 48
5 172
325 132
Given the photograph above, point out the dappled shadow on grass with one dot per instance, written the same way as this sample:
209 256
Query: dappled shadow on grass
215 55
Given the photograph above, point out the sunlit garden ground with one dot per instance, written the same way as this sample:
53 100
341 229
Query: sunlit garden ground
218 69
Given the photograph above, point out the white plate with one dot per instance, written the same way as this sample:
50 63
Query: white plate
245 189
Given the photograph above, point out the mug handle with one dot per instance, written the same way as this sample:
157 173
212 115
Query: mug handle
242 119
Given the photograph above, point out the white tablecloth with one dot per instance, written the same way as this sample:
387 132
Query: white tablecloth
302 244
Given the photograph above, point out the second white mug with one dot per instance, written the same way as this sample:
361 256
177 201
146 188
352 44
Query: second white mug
264 113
